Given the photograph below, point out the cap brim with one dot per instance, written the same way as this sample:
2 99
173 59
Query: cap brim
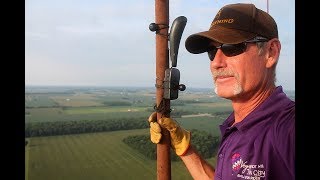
199 42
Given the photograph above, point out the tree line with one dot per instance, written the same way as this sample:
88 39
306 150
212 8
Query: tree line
33 129
202 141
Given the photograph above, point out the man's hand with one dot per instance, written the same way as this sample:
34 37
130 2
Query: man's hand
180 138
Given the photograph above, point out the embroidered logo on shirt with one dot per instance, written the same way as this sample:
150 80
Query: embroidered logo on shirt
247 171
236 161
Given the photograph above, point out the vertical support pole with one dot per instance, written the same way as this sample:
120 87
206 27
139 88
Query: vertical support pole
162 63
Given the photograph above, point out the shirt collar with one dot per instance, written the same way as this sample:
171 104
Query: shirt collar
276 100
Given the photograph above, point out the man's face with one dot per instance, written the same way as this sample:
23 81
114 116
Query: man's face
242 74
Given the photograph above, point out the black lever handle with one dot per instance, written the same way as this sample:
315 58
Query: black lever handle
175 36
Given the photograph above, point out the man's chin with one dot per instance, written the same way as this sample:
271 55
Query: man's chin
227 92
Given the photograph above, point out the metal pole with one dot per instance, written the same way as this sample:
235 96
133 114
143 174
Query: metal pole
162 63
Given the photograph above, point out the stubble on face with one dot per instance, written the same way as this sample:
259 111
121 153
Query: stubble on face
237 88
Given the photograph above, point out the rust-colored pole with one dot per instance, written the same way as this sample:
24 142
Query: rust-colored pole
162 63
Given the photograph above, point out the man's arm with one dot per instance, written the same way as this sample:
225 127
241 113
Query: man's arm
197 166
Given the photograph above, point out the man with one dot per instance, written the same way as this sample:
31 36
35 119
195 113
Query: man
258 138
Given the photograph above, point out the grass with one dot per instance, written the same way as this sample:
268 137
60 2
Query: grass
92 156
103 155
90 110
83 113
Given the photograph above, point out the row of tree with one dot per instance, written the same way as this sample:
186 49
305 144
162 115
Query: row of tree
202 141
33 129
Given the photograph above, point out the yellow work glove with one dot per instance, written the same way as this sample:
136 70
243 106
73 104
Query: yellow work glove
180 138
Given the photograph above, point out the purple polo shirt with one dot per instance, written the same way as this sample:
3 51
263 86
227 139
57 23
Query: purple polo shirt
262 146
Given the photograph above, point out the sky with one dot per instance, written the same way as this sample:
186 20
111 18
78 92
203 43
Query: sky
108 42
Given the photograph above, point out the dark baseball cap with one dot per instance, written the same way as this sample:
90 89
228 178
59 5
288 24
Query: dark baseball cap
233 24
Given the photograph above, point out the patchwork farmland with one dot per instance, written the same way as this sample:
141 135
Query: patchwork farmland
100 153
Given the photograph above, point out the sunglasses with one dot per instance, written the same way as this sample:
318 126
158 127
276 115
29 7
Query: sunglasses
233 49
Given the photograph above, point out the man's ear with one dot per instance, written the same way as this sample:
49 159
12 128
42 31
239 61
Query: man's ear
273 52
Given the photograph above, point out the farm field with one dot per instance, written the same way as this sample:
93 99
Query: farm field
91 156
50 104
103 155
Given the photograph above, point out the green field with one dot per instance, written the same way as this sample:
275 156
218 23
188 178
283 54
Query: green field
103 155
83 113
92 156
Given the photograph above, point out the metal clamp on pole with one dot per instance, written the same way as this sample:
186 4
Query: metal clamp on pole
172 75
157 27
